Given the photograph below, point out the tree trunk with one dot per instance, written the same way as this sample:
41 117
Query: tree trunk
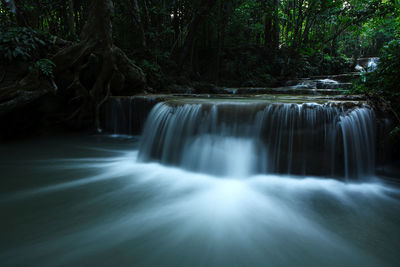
95 66
97 52
268 32
220 39
276 28
16 7
138 20
183 54
70 19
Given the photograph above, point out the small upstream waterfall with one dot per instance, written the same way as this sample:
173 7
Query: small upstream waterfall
367 64
242 139
372 63
316 84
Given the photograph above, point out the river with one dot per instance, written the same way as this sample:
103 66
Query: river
88 201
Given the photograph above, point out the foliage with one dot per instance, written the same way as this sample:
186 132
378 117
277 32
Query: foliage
152 69
45 67
21 43
292 37
57 17
385 81
389 67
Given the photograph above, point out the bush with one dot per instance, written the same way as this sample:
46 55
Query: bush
19 43
154 74
45 67
385 80
389 68
384 84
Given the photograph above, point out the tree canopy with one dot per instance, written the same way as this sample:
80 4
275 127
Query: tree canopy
216 39
89 50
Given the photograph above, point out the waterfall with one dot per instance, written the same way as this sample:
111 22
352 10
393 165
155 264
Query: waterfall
367 64
126 116
247 138
358 135
372 63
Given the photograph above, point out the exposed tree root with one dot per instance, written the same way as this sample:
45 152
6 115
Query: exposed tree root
116 73
96 53
94 69
24 92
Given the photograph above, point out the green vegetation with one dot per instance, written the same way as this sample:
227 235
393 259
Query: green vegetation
252 42
385 79
21 43
382 86
91 50
45 67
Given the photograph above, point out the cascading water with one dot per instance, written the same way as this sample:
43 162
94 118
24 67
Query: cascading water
367 64
372 63
242 139
175 198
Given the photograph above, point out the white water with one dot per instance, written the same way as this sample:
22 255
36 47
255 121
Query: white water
369 65
372 64
316 84
202 189
111 210
306 84
224 156
231 138
359 68
328 81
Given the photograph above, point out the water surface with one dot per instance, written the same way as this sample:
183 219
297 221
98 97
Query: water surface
86 201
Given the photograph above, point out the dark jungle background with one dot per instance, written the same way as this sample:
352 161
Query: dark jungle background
61 60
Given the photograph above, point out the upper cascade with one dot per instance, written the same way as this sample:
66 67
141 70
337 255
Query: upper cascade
231 138
367 64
